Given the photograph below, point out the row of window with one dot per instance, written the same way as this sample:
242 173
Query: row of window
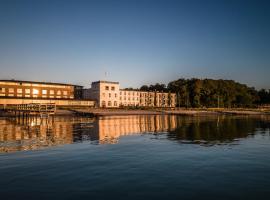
124 98
109 103
130 93
34 91
35 96
108 88
36 85
110 95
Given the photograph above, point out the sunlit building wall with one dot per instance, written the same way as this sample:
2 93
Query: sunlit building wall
108 94
39 90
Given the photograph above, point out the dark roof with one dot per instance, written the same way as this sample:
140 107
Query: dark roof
37 82
106 82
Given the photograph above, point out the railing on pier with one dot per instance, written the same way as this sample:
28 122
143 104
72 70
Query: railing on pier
33 108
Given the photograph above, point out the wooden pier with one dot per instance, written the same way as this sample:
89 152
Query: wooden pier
36 109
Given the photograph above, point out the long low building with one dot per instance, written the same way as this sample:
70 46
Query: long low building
44 90
108 94
25 92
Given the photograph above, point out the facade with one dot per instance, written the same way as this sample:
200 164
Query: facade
105 93
108 94
13 92
38 90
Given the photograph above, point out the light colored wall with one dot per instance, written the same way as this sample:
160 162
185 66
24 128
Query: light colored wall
142 98
109 96
103 96
129 98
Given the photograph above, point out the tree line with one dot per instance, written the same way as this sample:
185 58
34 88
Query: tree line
212 93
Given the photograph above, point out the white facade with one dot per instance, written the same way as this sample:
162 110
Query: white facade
105 93
108 94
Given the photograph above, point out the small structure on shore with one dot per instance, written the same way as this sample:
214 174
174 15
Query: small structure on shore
25 110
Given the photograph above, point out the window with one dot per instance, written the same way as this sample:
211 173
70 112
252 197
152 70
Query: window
65 93
35 91
27 91
120 93
112 88
115 95
109 103
44 92
11 90
19 91
106 87
120 98
109 94
115 103
51 91
103 94
2 89
59 92
103 104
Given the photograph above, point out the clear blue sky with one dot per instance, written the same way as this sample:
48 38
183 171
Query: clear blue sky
135 42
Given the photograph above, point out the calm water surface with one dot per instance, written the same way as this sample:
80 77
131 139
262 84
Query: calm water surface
135 157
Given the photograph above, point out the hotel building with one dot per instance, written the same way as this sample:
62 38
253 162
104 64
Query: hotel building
13 92
108 94
43 90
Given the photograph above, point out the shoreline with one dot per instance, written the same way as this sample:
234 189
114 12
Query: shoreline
95 112
190 112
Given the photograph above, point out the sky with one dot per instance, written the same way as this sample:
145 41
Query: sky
135 42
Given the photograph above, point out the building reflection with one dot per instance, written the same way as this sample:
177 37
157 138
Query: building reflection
17 134
110 129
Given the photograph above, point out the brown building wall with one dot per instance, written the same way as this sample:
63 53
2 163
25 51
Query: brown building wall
20 89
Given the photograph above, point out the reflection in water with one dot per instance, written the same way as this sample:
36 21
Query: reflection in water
17 134
219 129
35 133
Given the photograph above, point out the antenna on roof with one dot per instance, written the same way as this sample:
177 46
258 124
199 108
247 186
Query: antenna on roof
106 75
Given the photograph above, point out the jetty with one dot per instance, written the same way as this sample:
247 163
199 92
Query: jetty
32 109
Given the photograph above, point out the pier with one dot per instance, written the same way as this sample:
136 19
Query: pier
33 109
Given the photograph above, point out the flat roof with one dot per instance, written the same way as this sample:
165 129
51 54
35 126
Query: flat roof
37 82
112 82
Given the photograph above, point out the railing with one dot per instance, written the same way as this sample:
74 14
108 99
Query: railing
33 108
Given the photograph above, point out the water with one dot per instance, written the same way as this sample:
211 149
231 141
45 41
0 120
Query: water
135 157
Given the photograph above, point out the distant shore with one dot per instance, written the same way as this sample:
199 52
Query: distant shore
91 112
